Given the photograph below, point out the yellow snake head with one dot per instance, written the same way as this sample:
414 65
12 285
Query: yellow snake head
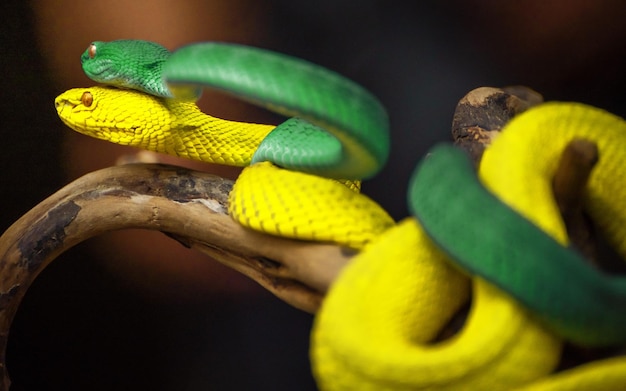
170 126
121 116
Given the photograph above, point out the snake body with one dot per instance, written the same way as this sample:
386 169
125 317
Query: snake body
365 335
319 98
348 141
377 325
583 308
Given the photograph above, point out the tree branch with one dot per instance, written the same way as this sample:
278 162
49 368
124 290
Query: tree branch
189 205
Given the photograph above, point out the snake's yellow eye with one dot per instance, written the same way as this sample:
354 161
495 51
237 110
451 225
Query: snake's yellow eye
92 51
86 99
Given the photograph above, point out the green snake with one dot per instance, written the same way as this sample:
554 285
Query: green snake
377 323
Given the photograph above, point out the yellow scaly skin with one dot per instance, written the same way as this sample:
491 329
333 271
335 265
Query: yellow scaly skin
525 156
170 126
607 374
179 128
531 147
389 302
501 347
378 319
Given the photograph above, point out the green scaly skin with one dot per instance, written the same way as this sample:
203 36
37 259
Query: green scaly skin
321 99
109 64
573 299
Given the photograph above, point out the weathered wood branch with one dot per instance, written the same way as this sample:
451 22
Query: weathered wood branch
189 205
482 113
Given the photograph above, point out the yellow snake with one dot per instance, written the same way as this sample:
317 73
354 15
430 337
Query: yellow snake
501 346
378 321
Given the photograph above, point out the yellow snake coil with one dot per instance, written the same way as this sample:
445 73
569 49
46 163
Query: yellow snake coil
377 323
390 302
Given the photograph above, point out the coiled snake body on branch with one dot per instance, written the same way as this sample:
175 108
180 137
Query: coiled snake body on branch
375 327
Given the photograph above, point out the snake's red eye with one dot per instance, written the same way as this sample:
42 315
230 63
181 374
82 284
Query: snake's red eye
91 51
86 99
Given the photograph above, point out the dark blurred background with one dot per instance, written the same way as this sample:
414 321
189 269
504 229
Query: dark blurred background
117 313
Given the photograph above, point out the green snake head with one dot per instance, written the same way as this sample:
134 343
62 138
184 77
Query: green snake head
127 64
